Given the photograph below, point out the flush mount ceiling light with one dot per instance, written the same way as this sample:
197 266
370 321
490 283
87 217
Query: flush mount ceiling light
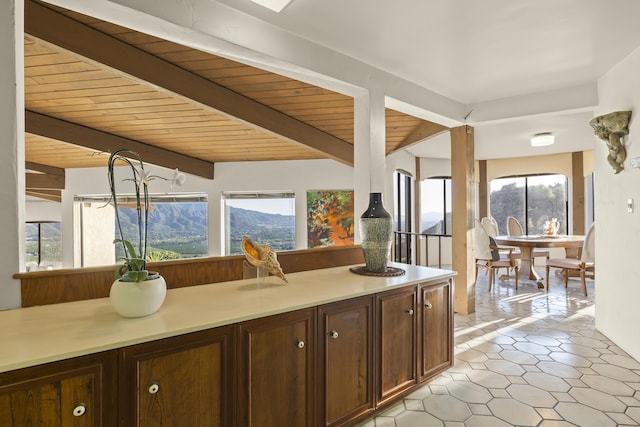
542 139
275 5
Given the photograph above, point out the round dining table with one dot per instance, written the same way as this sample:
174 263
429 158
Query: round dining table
526 244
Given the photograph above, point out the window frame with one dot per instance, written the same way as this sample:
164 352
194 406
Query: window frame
446 202
252 195
124 199
525 223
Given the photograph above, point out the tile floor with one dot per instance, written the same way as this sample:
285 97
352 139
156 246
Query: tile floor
527 358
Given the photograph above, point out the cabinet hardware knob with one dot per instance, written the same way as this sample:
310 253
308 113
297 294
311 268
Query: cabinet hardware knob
300 344
410 312
79 410
334 334
153 388
428 305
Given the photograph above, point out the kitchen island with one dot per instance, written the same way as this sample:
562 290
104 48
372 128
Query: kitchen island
220 351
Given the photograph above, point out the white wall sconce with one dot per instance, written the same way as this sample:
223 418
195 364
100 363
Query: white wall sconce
542 139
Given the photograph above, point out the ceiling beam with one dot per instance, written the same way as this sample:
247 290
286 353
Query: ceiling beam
53 195
55 28
50 170
50 127
421 132
42 181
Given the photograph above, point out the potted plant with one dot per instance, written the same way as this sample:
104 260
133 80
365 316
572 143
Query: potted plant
136 292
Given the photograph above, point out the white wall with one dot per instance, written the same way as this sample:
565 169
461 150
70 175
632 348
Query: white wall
12 144
554 163
42 210
618 232
296 176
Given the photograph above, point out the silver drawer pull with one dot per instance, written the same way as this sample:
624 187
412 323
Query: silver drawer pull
79 410
300 344
334 334
410 312
428 305
153 388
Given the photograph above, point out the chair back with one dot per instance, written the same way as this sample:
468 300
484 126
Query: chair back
589 245
489 226
481 243
514 228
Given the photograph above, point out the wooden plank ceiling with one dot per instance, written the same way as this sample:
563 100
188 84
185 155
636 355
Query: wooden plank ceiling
92 86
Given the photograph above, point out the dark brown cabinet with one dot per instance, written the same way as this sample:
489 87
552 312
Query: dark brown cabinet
436 353
330 365
276 376
184 380
78 392
345 344
397 350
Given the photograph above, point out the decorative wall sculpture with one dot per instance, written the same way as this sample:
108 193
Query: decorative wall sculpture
610 128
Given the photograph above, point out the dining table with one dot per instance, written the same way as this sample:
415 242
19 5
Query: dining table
526 243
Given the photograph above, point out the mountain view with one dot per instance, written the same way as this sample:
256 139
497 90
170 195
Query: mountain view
182 228
275 230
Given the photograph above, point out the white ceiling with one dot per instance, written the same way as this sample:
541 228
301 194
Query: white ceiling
476 52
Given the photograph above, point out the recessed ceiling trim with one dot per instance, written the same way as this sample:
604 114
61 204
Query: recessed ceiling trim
275 5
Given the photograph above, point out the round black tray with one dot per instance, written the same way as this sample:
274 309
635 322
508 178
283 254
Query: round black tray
391 271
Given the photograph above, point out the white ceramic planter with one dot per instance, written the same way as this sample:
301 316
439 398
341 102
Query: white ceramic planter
138 299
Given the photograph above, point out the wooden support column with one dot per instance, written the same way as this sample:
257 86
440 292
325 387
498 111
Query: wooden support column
417 188
577 194
463 214
483 188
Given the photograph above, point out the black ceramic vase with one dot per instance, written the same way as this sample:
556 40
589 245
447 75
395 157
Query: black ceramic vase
376 230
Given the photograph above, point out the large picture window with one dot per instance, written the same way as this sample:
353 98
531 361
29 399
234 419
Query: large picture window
178 227
532 200
43 245
403 194
435 202
268 218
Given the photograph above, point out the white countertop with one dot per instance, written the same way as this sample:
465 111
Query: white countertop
35 335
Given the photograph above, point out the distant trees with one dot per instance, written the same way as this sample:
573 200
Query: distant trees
544 202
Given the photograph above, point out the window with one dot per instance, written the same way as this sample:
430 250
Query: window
178 227
531 199
403 208
268 218
435 202
43 245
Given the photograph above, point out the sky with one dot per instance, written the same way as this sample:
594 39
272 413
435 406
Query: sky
272 206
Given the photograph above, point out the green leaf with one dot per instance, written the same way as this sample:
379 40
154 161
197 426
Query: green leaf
138 276
130 248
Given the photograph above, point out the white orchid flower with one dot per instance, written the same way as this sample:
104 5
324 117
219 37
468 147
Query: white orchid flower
145 176
178 178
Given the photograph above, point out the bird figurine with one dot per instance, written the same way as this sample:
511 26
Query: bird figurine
262 256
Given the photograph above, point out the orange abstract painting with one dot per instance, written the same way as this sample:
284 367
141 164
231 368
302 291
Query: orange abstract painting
330 218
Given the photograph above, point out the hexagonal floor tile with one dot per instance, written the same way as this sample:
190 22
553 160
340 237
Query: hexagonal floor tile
515 413
469 392
582 415
532 396
546 382
447 408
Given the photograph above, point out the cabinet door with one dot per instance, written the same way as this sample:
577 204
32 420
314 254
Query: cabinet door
78 392
179 381
276 375
437 330
346 364
397 323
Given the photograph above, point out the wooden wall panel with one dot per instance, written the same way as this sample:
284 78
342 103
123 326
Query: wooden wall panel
57 286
